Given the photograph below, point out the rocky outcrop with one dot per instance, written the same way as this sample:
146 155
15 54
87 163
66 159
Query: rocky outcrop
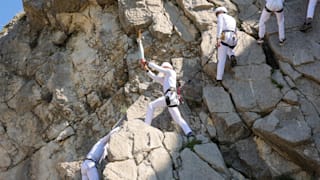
69 71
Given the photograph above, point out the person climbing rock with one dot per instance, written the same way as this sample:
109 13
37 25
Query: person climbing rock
272 7
307 25
170 98
89 170
226 40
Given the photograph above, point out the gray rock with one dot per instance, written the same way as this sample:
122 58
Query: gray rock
115 170
59 38
69 170
217 100
249 118
310 70
291 98
199 11
212 155
289 71
193 167
162 166
5 159
277 164
285 128
161 27
250 161
145 171
249 93
66 133
172 141
185 29
229 127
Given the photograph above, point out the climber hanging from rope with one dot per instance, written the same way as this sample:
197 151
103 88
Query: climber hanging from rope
168 81
89 167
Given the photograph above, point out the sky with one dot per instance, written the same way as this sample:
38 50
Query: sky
8 10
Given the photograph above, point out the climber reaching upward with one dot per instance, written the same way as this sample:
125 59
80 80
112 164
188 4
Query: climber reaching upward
98 152
170 98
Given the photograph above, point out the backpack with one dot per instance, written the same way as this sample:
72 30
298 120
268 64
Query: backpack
274 5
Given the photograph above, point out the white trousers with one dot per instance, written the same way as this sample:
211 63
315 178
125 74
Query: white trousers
311 7
223 51
265 15
141 50
174 112
89 171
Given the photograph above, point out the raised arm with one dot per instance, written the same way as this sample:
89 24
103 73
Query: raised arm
155 77
159 68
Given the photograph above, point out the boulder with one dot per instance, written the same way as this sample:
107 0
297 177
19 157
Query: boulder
287 131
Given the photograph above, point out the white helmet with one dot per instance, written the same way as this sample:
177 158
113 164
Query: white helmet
166 64
221 9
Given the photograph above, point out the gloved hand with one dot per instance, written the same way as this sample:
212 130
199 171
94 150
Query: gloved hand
144 64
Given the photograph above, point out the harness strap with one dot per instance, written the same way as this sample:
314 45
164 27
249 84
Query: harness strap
270 11
225 44
228 31
170 89
95 162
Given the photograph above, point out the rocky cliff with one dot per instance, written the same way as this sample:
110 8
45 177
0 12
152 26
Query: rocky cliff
69 71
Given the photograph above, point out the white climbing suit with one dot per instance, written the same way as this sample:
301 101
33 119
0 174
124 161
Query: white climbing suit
168 81
98 152
311 8
226 32
265 15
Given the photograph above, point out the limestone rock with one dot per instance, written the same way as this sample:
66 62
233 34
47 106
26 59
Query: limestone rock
211 154
193 167
250 159
161 27
217 100
115 170
186 30
69 170
289 133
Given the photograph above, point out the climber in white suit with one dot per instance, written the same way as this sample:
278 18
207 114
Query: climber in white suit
310 13
98 152
226 40
272 7
170 98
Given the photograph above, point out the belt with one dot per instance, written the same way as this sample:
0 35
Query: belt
95 162
228 31
223 43
170 89
270 11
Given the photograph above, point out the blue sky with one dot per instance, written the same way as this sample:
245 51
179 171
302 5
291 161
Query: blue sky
8 10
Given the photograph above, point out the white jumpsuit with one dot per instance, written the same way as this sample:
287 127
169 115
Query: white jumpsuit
225 25
168 81
98 152
311 8
265 15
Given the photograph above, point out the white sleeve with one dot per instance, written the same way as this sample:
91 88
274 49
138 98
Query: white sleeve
154 77
219 26
159 68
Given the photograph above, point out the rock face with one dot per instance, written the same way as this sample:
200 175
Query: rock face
69 70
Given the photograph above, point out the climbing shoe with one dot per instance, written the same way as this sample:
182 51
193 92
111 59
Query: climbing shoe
233 61
218 83
281 42
191 137
306 27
